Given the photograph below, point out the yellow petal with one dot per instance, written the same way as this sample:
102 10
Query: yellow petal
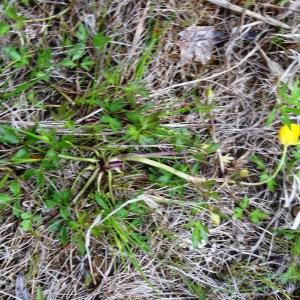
289 135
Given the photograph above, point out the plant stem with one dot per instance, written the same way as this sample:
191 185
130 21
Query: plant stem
89 168
87 185
110 188
21 161
91 160
159 165
99 181
279 167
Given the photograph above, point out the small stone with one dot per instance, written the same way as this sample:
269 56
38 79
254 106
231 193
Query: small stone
196 44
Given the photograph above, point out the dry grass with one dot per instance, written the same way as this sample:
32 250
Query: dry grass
241 260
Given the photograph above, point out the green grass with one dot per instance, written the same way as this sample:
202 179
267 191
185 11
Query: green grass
91 160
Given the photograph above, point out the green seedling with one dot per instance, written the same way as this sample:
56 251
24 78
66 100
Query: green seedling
242 207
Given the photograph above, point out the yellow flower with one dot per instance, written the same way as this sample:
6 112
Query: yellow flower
289 135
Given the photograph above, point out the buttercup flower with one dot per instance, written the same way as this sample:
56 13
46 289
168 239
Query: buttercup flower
289 135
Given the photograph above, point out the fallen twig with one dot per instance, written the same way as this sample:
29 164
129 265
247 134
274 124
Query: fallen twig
247 12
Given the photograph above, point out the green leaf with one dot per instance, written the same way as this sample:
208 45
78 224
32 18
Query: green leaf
166 178
150 121
29 173
40 75
26 215
11 12
19 57
22 153
133 133
64 212
63 235
122 213
12 53
271 183
51 161
139 240
86 63
271 117
4 28
292 275
137 208
82 33
5 198
73 225
296 246
37 218
51 154
44 58
68 63
76 51
32 136
25 2
114 106
132 89
196 289
26 225
134 117
295 94
199 234
112 76
20 22
15 188
257 216
40 178
244 204
101 201
260 164
79 240
285 117
237 213
100 40
55 226
17 209
114 124
60 198
4 180
39 293
284 92
50 203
